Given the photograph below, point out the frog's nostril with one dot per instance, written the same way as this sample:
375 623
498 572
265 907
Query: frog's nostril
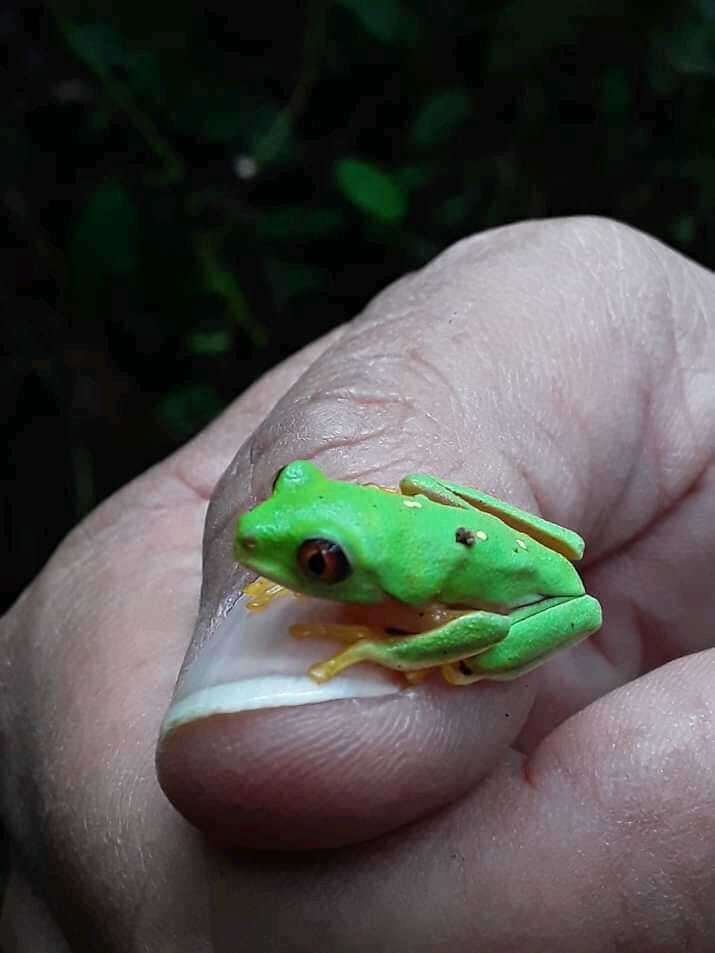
245 539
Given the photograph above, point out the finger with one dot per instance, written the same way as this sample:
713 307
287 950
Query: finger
455 371
659 602
602 839
322 776
90 656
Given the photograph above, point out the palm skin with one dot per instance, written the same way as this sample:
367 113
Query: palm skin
568 366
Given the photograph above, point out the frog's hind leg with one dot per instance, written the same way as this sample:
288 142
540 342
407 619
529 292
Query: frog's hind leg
460 638
537 632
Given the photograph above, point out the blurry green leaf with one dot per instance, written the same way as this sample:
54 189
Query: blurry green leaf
99 119
691 48
220 125
386 20
205 200
84 467
173 28
274 142
615 92
290 279
294 222
255 125
143 72
683 229
440 117
371 190
701 169
662 79
214 115
185 410
524 31
420 248
453 211
100 46
219 281
107 231
210 343
413 176
535 104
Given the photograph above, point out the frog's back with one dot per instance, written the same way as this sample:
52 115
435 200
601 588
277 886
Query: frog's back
463 556
564 541
506 565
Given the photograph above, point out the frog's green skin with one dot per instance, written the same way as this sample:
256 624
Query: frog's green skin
435 542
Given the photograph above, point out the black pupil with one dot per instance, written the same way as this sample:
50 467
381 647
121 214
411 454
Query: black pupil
316 564
323 559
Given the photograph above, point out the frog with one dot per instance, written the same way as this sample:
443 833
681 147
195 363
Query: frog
482 589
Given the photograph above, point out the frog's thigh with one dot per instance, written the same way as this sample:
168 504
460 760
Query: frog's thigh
531 640
457 639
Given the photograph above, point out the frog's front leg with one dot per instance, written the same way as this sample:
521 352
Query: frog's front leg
460 638
536 633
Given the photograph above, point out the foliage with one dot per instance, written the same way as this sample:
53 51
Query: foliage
192 194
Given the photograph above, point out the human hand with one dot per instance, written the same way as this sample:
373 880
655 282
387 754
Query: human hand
568 366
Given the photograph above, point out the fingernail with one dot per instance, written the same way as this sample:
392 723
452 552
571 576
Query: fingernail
251 661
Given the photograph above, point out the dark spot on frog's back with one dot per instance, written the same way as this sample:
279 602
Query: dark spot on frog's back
464 536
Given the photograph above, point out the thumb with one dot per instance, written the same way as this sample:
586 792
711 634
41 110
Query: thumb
251 752
467 370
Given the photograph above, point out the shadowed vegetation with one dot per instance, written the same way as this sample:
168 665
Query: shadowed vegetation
192 194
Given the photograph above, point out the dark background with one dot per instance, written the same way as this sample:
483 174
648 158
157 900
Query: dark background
190 194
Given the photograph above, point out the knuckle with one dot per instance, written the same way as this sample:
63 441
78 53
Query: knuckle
346 428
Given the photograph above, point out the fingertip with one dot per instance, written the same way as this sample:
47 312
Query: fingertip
339 772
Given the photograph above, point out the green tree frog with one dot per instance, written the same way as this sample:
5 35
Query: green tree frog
479 588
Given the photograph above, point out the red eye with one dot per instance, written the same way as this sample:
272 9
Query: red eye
324 560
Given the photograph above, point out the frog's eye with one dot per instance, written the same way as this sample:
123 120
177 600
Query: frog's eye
324 560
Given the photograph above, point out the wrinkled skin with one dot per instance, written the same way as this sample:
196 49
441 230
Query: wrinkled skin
568 366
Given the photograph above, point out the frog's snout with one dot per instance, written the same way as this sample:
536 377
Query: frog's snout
245 541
